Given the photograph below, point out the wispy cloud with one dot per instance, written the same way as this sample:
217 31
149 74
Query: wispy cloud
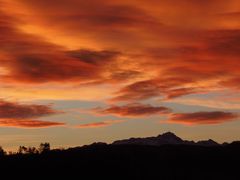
13 114
200 118
133 110
99 124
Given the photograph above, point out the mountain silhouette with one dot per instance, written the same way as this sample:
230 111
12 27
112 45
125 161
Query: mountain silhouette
209 142
167 138
165 157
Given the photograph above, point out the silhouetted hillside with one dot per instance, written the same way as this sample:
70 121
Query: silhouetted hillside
168 138
102 161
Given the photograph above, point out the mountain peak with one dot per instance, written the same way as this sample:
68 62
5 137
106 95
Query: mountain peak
209 142
167 134
167 138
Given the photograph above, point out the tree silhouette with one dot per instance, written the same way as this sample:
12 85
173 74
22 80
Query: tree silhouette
44 147
29 150
22 150
2 152
32 150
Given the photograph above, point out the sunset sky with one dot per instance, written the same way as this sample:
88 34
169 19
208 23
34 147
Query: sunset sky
74 72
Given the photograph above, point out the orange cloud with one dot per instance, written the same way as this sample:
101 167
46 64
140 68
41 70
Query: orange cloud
94 57
133 110
13 114
138 91
21 123
199 118
99 124
179 92
22 111
27 58
114 21
233 83
148 49
165 87
31 59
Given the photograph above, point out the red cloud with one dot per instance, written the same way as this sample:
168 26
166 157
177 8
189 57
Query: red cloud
87 16
94 57
199 118
20 123
234 83
99 124
167 87
31 59
20 115
179 92
138 91
133 110
12 110
148 48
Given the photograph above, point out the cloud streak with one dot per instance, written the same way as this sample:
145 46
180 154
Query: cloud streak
23 111
133 110
201 118
20 123
99 124
13 114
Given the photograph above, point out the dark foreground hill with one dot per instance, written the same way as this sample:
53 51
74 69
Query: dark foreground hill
101 161
168 138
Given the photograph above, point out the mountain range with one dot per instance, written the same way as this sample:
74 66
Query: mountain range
167 138
165 157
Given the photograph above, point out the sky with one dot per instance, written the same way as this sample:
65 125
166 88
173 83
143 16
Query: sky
74 72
